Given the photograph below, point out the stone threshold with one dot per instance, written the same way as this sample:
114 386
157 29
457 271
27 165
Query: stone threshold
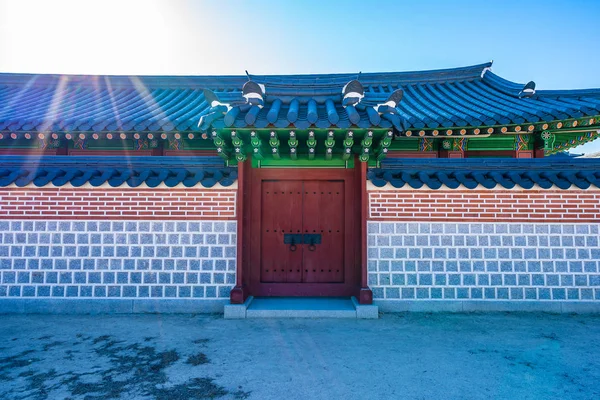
301 307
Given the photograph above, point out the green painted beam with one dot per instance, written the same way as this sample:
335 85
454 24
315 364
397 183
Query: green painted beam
506 142
319 161
405 144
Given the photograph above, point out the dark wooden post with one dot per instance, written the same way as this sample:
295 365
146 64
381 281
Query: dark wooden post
63 149
365 295
159 150
238 293
450 154
538 153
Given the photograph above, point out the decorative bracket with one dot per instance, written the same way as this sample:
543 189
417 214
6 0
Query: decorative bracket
222 148
175 144
426 144
293 143
459 144
140 143
48 141
348 143
274 143
311 142
366 147
80 142
256 146
329 143
548 139
238 146
385 142
522 142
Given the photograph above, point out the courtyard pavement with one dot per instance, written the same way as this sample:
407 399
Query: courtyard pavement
399 356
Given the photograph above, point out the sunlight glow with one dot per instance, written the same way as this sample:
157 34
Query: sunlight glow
75 35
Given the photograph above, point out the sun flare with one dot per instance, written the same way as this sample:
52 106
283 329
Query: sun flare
102 36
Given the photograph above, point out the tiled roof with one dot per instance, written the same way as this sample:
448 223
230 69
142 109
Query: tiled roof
460 97
116 171
490 173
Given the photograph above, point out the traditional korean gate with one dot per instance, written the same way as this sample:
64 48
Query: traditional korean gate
302 235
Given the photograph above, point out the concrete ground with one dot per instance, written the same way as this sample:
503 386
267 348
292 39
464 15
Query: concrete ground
410 356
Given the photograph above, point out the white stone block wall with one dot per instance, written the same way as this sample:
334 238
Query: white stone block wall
117 259
493 261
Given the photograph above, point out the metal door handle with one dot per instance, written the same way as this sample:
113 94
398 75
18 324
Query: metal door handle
292 240
312 239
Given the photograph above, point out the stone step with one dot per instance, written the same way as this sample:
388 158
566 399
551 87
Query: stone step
300 307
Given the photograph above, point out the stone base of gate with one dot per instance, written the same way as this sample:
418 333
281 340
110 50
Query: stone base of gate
301 307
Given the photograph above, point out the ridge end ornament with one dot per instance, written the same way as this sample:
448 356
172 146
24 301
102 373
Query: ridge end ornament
352 93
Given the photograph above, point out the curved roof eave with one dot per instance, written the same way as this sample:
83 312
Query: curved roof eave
514 88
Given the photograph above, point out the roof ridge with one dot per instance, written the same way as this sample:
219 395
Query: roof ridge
473 71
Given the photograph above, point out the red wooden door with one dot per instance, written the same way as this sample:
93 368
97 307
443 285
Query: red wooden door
314 202
281 214
312 211
323 214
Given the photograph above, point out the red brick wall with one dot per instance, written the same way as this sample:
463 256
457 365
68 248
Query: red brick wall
486 205
118 203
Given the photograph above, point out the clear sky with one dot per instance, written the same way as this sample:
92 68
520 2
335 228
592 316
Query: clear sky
554 43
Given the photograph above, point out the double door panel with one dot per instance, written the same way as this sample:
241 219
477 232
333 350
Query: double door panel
309 216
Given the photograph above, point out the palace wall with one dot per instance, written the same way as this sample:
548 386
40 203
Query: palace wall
116 249
484 249
164 249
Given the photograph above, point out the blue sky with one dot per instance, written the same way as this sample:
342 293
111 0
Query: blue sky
554 43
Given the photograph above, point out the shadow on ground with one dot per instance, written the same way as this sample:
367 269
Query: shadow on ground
413 356
104 367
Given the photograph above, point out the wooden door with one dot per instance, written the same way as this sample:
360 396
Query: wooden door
281 214
303 241
323 214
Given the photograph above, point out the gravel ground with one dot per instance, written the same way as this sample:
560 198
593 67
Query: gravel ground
410 356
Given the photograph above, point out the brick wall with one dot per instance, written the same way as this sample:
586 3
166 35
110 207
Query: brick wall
117 243
520 246
117 203
486 205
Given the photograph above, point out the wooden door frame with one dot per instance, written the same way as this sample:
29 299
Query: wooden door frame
248 222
